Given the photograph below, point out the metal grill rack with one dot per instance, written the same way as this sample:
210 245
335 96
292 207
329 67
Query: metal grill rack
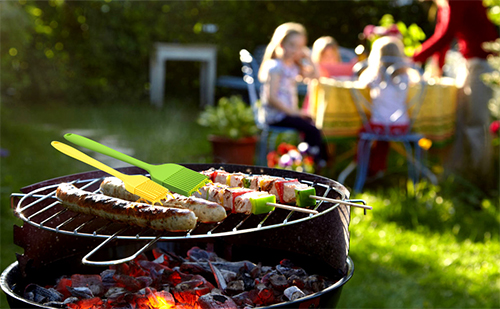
41 208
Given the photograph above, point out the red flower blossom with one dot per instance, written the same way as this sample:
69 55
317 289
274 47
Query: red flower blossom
272 159
495 127
284 148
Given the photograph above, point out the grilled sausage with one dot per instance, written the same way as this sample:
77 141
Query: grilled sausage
143 215
206 211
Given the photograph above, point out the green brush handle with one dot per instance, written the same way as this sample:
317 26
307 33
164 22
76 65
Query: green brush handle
95 146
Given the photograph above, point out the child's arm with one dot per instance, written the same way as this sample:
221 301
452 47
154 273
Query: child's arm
308 69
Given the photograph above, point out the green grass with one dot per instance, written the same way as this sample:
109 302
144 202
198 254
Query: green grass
421 252
432 247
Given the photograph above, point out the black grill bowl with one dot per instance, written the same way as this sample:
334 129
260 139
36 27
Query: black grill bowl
13 284
319 245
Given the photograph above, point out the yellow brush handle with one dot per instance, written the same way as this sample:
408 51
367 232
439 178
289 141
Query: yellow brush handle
72 152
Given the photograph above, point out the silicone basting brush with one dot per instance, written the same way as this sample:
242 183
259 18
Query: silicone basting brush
176 178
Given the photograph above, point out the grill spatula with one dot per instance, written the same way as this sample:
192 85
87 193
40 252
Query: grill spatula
174 177
136 184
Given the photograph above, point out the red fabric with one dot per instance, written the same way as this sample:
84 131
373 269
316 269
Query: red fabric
336 69
467 22
380 149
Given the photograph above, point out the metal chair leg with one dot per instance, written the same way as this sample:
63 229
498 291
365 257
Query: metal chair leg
262 149
412 168
418 159
363 162
343 175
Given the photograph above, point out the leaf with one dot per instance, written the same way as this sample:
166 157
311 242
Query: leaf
232 117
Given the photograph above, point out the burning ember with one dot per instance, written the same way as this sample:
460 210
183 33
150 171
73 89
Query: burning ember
202 280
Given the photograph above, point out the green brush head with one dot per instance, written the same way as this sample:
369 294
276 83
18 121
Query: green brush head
185 181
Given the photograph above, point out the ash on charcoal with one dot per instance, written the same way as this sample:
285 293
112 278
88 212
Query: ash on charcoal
196 254
248 281
115 292
315 283
235 287
93 282
61 304
243 299
81 292
278 282
297 281
107 278
212 301
228 275
293 293
40 294
287 271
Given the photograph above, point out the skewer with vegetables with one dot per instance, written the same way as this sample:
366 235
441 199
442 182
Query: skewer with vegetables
286 191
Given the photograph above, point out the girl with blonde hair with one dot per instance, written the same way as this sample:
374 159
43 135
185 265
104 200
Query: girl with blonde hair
388 92
285 60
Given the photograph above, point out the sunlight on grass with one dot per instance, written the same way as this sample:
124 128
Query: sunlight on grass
398 265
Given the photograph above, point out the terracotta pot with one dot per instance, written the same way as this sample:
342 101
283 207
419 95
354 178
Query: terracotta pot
227 150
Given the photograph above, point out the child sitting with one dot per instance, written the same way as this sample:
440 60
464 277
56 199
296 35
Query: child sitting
388 92
284 61
326 56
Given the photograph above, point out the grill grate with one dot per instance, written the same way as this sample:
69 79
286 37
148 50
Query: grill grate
39 207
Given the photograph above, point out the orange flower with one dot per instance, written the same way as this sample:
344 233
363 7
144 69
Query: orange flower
425 143
308 160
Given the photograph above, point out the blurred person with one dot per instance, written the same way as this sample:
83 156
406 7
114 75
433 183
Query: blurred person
389 114
326 56
285 60
468 23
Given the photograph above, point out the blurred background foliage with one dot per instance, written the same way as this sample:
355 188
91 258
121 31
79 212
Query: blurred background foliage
98 51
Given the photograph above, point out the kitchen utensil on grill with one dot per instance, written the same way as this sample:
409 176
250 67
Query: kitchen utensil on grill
175 177
137 184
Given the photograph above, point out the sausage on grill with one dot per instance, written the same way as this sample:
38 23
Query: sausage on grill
144 215
206 211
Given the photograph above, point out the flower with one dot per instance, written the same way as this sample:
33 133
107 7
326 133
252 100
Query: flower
288 156
495 128
284 148
272 159
425 143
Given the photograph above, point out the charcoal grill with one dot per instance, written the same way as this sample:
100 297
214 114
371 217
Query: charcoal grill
52 233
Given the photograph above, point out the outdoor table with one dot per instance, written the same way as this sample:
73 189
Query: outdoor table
335 113
163 52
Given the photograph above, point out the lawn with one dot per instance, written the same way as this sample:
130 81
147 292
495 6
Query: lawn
430 246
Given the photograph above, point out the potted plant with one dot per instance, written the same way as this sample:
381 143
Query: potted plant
233 132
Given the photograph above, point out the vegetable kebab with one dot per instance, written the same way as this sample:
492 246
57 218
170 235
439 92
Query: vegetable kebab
286 191
243 200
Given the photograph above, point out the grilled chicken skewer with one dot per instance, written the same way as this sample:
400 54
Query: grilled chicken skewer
244 200
286 191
